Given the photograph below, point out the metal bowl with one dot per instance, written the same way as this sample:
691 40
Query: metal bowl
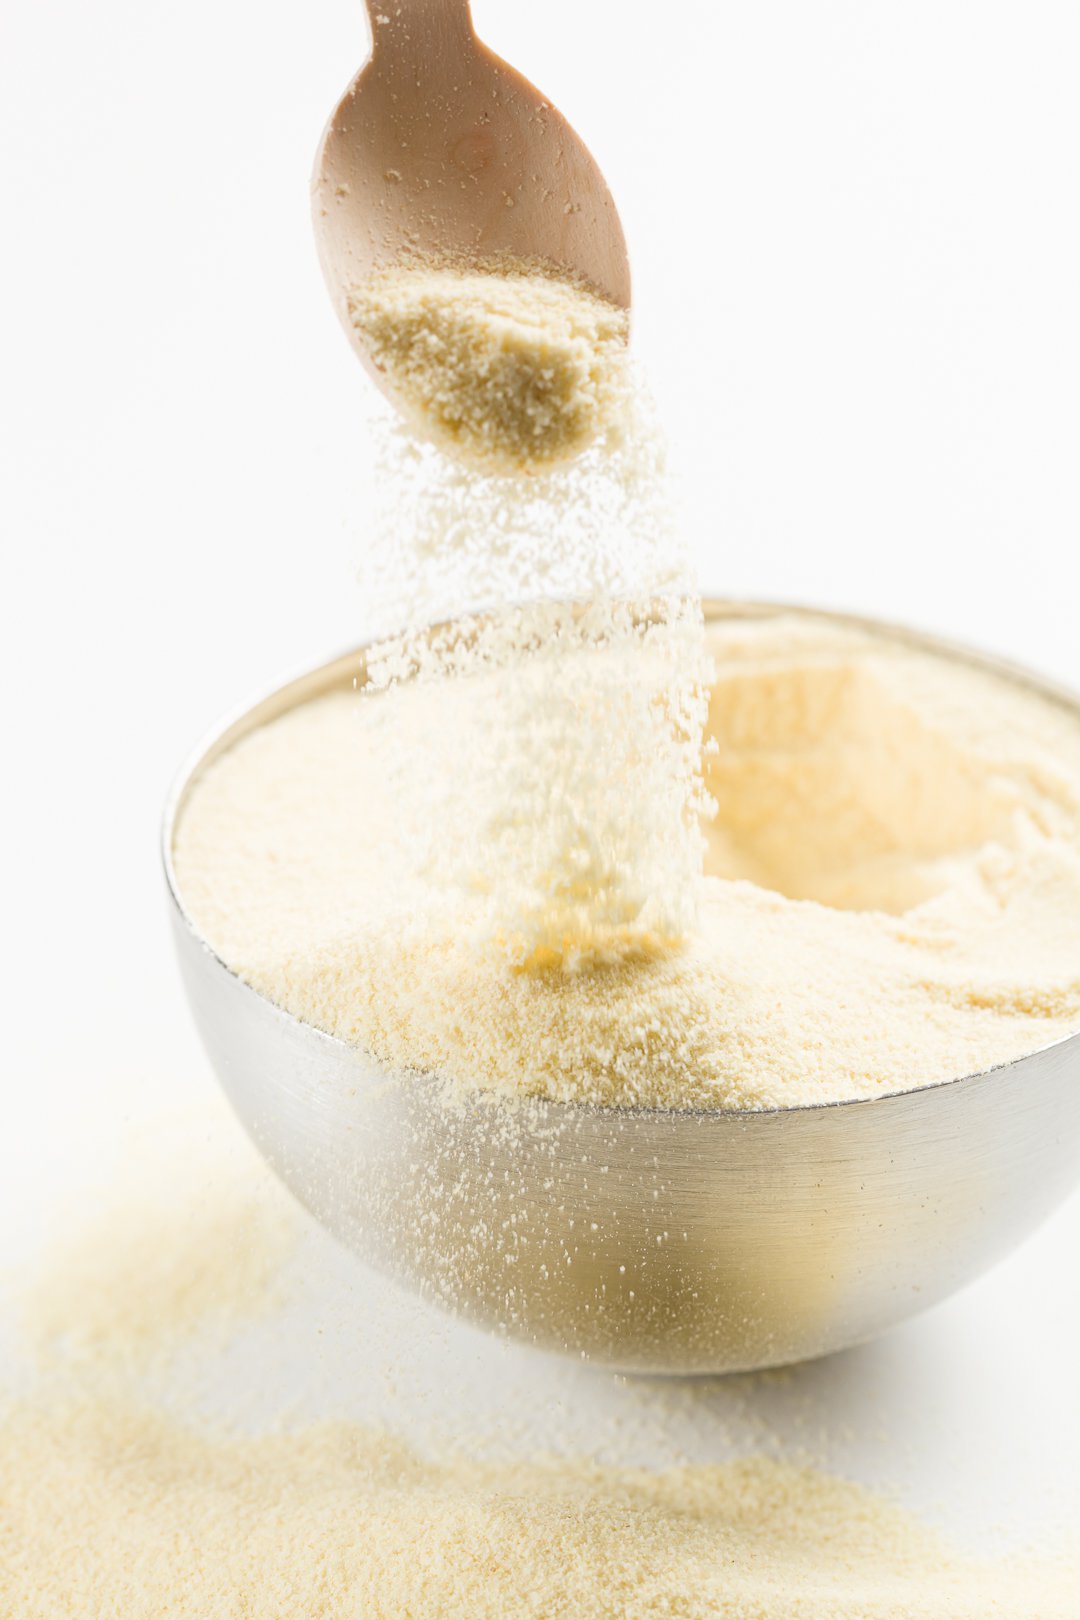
649 1240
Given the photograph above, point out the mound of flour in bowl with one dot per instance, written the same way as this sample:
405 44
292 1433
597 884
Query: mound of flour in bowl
515 859
888 895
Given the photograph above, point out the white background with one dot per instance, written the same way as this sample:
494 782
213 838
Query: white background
856 245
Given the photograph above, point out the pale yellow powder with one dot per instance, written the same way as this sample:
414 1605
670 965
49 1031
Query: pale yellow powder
108 1509
891 895
109 1506
577 817
189 1237
572 837
510 368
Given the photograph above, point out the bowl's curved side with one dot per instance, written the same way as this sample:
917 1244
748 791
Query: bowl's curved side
660 1242
675 1242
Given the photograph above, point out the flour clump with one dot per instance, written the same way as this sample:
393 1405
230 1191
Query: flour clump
510 367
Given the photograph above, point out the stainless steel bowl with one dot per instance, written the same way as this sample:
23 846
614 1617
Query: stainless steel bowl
659 1241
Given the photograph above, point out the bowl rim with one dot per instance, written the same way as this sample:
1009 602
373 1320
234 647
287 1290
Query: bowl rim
311 680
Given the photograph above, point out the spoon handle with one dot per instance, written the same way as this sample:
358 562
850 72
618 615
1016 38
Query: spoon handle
417 27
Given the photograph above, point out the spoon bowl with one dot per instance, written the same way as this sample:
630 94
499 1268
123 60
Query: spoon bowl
439 150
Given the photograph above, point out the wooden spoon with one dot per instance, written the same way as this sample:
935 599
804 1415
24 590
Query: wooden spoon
439 148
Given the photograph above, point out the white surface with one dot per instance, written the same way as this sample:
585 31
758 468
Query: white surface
856 248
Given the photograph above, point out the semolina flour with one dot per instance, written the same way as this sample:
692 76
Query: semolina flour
887 896
108 1508
190 1238
116 1499
568 595
509 367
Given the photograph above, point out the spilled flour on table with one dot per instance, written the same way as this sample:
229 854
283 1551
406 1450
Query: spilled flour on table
113 1500
112 1508
188 1239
